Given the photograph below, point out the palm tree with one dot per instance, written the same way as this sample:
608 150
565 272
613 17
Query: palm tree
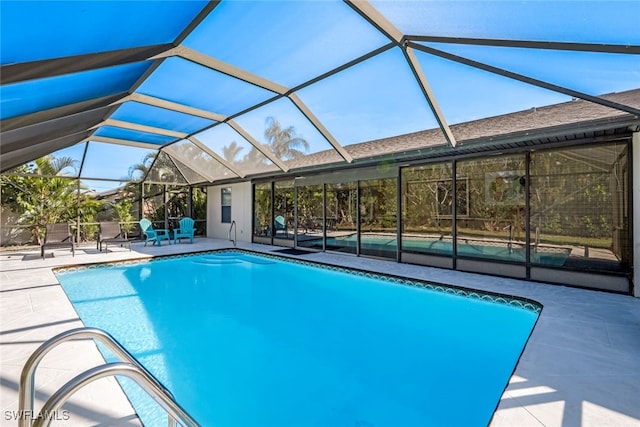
46 197
231 151
284 143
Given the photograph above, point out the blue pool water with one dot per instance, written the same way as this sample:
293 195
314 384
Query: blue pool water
503 251
247 340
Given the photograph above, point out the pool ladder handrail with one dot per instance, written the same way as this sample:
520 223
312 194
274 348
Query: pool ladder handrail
233 227
128 366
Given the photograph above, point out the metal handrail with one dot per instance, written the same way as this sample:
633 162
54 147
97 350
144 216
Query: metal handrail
27 378
136 373
233 227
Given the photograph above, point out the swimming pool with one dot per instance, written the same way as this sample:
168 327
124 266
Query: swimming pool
386 245
243 339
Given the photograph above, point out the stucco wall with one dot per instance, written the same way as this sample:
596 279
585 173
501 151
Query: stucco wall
240 211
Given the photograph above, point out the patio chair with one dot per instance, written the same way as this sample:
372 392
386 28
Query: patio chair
281 225
186 230
110 232
58 235
153 235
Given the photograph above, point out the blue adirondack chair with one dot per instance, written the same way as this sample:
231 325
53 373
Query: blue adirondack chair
281 225
186 230
151 235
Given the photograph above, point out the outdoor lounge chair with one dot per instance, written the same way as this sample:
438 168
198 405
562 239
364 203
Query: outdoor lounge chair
58 235
151 235
110 232
186 230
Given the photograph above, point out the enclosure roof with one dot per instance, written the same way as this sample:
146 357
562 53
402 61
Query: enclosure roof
203 92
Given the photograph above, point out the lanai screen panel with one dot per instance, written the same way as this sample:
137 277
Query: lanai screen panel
374 99
285 42
133 135
194 85
117 162
43 94
466 93
283 130
37 30
199 160
561 21
164 171
593 73
74 154
235 149
144 114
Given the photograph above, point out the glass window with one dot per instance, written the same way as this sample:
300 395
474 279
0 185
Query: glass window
225 204
341 217
310 206
262 217
284 210
579 208
491 220
427 205
378 221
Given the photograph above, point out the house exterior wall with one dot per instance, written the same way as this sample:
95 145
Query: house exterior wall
240 211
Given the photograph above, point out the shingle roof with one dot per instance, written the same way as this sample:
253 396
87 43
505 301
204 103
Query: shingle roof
528 123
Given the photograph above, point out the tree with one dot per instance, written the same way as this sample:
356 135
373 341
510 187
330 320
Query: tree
47 196
284 143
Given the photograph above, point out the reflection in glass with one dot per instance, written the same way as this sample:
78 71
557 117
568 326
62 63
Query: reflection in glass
284 210
341 216
378 208
494 227
579 208
427 200
309 231
262 218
